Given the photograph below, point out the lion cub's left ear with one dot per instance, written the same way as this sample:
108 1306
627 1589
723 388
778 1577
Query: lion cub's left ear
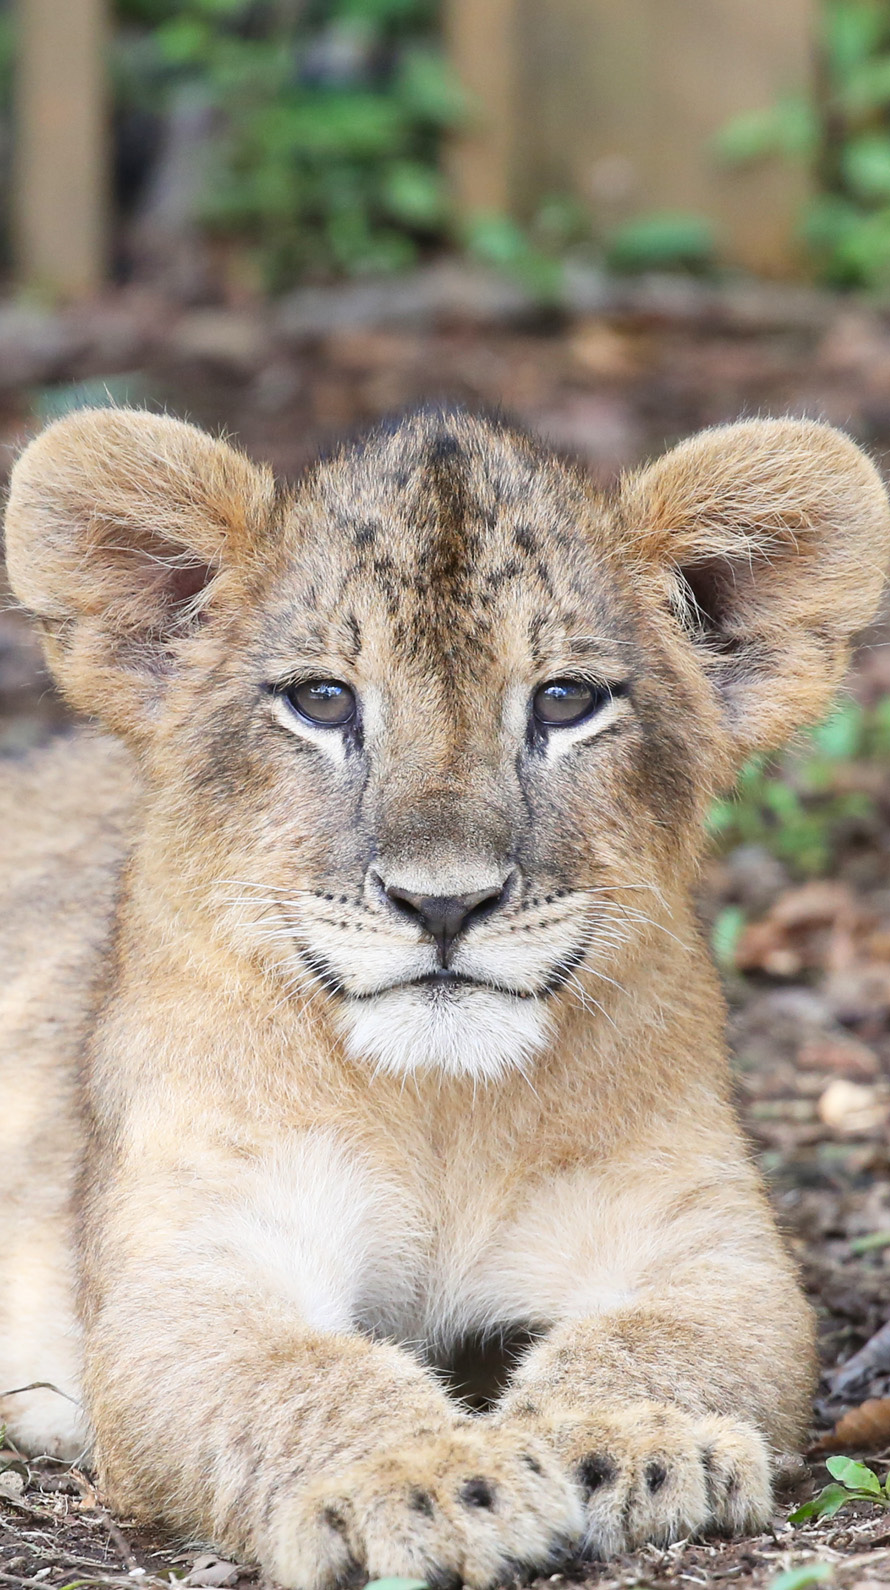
769 540
124 530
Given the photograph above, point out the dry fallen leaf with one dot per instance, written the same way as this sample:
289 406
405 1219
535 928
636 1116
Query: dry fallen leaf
601 350
821 902
875 1355
841 1054
859 993
815 925
866 1428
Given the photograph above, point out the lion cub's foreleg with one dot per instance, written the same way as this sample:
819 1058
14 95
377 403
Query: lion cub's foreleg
672 1410
233 1397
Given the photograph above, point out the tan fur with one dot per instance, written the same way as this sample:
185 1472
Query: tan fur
283 1183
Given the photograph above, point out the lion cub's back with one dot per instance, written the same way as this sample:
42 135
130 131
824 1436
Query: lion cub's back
64 820
64 817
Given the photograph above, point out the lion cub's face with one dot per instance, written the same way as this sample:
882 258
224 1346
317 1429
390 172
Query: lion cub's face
431 738
458 753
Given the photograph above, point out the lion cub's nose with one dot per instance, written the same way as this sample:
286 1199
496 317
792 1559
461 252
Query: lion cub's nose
445 915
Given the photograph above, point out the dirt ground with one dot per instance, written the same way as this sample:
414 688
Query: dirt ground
809 979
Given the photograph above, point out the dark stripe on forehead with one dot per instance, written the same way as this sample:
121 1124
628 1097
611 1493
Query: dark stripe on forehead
446 480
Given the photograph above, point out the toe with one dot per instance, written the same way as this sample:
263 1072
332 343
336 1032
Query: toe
737 1474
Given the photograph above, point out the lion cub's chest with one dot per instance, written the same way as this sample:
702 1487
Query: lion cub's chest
353 1244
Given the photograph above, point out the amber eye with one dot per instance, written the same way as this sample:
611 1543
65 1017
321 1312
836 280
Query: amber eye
324 702
563 702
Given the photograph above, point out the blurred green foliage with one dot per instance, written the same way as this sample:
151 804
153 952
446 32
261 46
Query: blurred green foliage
330 118
843 132
663 240
533 254
797 806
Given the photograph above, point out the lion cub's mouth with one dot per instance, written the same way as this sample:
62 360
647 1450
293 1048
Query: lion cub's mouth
446 980
441 981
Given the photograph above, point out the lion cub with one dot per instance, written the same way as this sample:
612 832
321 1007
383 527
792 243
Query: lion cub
353 1001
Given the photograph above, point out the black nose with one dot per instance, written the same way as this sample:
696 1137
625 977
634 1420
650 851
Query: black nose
446 915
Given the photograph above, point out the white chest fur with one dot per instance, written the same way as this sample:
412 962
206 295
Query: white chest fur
350 1245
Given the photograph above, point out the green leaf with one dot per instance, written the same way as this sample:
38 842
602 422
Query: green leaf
852 31
856 1476
800 1578
185 41
852 245
426 86
829 1501
865 162
725 935
662 241
414 193
840 736
790 127
383 13
397 1584
873 1243
498 241
324 125
879 728
221 8
867 87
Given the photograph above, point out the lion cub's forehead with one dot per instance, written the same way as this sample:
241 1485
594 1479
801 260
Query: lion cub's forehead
447 532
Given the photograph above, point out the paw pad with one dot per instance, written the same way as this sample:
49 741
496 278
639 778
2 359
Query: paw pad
656 1474
477 1492
334 1520
594 1471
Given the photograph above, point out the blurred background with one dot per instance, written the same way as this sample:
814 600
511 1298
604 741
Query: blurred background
619 220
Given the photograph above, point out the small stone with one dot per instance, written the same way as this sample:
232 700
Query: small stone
12 1483
850 1107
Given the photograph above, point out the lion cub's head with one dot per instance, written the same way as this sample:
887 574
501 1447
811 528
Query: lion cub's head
430 738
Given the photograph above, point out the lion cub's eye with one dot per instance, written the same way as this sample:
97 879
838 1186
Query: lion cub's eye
324 702
564 702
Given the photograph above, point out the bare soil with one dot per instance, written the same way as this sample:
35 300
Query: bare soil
810 992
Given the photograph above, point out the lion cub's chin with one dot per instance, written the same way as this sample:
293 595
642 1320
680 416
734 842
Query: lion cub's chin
475 1032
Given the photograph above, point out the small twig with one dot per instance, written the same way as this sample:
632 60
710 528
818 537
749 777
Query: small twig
117 1538
92 1505
40 1385
89 1500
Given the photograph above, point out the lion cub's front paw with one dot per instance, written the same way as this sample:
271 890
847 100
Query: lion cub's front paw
652 1473
475 1506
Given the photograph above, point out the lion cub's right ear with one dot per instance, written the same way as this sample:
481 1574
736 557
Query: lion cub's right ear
122 529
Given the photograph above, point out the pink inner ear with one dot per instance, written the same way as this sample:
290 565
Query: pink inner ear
718 589
184 584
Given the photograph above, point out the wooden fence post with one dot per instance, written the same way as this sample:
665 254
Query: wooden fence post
481 37
62 146
619 101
